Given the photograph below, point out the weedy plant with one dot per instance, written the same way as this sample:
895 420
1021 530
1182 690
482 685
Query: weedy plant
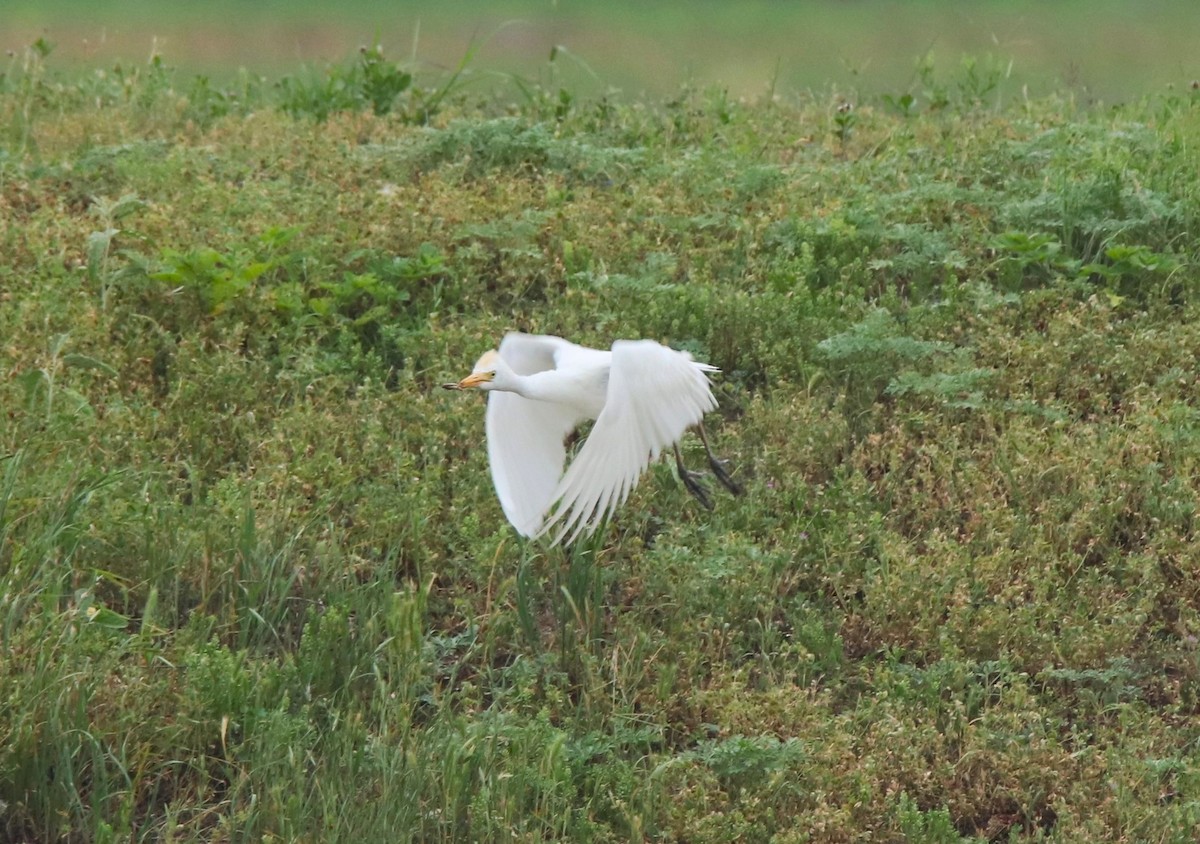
254 583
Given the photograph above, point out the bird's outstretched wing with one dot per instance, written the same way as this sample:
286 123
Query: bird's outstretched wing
654 395
525 437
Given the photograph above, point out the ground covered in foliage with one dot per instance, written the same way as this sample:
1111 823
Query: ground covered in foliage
255 584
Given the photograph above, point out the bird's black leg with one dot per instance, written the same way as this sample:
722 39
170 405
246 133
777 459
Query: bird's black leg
691 480
718 466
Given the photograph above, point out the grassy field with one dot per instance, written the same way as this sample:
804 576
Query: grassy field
1111 49
254 581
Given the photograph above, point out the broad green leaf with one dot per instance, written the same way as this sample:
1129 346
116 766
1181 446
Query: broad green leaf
81 361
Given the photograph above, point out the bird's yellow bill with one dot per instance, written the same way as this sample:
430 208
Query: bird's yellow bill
472 380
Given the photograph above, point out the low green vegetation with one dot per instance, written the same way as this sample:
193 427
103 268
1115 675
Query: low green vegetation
1105 49
255 584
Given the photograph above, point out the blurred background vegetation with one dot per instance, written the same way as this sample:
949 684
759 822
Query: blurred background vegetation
1102 49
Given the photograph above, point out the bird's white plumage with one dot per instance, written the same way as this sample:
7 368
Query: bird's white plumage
654 395
525 437
643 396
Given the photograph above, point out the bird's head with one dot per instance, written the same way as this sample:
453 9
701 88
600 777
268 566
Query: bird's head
483 376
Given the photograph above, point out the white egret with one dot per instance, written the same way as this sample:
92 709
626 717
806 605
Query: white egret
642 395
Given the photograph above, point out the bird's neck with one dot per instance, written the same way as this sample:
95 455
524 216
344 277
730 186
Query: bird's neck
559 389
537 386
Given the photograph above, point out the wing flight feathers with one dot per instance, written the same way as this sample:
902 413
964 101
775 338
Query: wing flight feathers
526 455
654 395
525 438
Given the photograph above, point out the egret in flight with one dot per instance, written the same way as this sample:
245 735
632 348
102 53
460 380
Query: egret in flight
642 395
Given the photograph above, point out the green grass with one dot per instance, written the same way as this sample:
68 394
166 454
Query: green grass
1111 49
254 581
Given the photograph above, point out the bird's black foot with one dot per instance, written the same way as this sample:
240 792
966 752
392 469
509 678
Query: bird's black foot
718 465
722 475
691 480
